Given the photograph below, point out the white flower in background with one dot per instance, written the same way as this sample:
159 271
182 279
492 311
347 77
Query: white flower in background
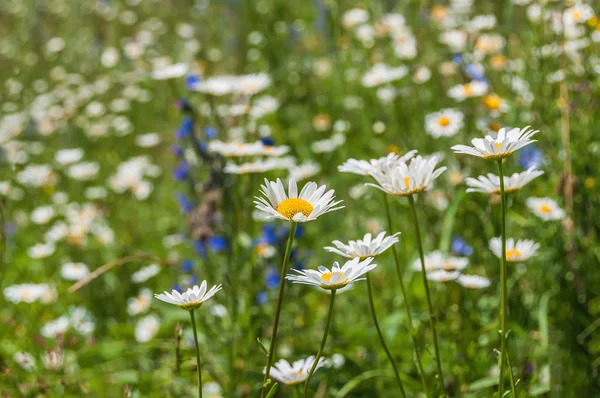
545 208
141 303
304 171
491 183
444 123
218 310
53 360
260 166
95 193
216 85
74 271
41 250
212 389
330 144
130 176
422 75
437 260
579 13
516 251
354 17
481 22
401 179
381 73
405 43
366 247
25 360
505 144
488 44
145 273
308 205
28 293
467 90
55 44
147 140
473 281
110 57
146 328
263 106
56 327
442 275
336 278
42 215
239 149
190 299
295 373
84 171
68 156
82 321
495 104
368 167
165 72
455 39
37 176
251 84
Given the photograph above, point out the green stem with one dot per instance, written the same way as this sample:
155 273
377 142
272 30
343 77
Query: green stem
198 363
411 199
412 331
323 341
385 348
503 293
286 257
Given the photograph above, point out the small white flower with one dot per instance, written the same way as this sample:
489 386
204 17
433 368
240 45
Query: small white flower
239 149
84 171
74 271
491 183
354 17
402 179
336 278
146 328
140 304
42 215
53 360
473 281
190 299
41 250
516 251
444 123
467 90
56 327
368 167
147 140
505 144
295 373
305 170
442 275
308 205
365 247
170 71
381 73
145 273
25 360
545 208
68 156
437 260
260 166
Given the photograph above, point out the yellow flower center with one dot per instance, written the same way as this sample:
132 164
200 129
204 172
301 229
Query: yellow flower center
494 126
407 182
327 278
444 121
467 89
545 208
492 102
292 206
512 253
498 145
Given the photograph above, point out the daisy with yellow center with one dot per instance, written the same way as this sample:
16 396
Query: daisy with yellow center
335 278
516 251
461 92
473 281
495 104
190 299
444 123
308 205
545 208
368 167
436 261
365 247
490 184
503 146
295 373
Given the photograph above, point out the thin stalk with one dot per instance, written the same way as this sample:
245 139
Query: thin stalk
411 199
286 257
503 293
198 363
405 298
385 348
323 341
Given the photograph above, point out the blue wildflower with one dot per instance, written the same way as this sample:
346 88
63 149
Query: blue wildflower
261 298
271 278
210 132
191 81
187 265
185 204
460 247
530 156
177 150
200 249
181 171
217 243
269 235
457 58
268 141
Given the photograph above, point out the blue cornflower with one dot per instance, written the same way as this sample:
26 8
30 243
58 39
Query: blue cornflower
268 141
177 150
217 243
475 72
183 104
530 156
210 132
457 58
181 171
200 249
261 298
269 235
187 265
460 247
191 80
185 204
186 128
271 278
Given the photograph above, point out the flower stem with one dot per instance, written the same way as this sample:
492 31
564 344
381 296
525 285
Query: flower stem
412 331
411 199
198 363
286 257
323 341
385 348
503 294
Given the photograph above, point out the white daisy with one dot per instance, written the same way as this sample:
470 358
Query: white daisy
192 298
437 260
491 183
146 328
579 13
25 360
169 71
473 281
41 250
145 273
381 73
295 373
467 90
365 247
442 275
68 156
56 327
42 215
545 208
260 166
367 167
83 171
303 171
354 17
140 304
74 271
402 179
495 104
444 123
311 203
336 278
501 147
27 292
53 360
251 84
516 251
240 149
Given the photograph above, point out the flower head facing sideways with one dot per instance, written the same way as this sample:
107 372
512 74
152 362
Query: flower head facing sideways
491 183
403 179
545 208
365 247
505 144
308 205
336 278
368 167
192 298
294 373
516 251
